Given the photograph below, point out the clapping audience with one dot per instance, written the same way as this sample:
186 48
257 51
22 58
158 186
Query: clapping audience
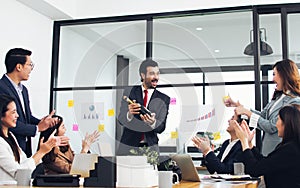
59 159
229 153
281 167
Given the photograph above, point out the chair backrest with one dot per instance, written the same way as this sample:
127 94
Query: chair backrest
39 170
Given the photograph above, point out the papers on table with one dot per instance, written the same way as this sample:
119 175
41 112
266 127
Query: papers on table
12 182
227 177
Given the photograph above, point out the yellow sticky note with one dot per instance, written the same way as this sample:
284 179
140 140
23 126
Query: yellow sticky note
174 134
101 127
70 103
217 135
111 112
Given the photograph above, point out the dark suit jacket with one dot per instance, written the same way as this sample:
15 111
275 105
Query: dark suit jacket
132 132
26 124
214 164
280 168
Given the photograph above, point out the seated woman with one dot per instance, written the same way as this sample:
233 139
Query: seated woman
229 153
281 167
11 155
59 159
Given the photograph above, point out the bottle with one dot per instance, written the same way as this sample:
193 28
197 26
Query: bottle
143 111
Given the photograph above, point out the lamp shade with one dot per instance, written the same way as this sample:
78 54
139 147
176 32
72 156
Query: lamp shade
265 49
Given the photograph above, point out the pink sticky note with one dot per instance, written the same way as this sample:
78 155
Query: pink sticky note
75 127
173 101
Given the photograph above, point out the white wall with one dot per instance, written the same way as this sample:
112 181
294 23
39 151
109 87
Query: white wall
23 27
97 8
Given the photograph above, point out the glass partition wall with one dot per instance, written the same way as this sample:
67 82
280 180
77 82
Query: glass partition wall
201 58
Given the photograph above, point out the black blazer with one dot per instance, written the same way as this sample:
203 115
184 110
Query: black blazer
280 168
132 132
26 124
214 164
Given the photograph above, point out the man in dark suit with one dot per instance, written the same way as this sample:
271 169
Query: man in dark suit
142 129
18 68
230 151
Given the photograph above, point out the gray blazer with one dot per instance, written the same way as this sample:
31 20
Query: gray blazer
267 122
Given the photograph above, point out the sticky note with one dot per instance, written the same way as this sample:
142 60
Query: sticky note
174 134
75 127
70 103
217 135
173 101
111 112
101 127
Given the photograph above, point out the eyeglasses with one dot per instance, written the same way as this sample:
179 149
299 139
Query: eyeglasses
31 64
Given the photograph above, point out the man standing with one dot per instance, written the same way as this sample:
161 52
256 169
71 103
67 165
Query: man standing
18 68
141 129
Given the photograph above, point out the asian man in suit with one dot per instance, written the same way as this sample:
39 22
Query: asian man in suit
18 68
142 129
230 151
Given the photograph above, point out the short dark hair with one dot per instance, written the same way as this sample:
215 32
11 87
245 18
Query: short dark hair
15 56
46 133
147 63
240 118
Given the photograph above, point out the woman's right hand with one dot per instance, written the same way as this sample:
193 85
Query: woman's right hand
230 103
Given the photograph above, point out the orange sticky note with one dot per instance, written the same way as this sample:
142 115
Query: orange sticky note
174 134
70 103
101 127
111 112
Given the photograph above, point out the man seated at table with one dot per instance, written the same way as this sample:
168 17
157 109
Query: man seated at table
230 151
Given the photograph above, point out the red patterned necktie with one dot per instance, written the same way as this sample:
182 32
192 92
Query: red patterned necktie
145 103
145 97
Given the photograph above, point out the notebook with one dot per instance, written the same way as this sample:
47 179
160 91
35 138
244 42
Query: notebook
83 163
186 165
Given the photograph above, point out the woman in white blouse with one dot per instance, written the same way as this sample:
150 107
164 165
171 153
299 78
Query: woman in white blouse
11 155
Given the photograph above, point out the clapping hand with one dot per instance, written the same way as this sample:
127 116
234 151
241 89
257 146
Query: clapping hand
202 143
88 140
47 122
243 133
45 147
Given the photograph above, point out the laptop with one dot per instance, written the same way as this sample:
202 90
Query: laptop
83 163
186 165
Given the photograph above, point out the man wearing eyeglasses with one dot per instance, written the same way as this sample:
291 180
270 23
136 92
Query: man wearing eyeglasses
18 68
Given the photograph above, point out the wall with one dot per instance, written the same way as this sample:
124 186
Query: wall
96 8
23 27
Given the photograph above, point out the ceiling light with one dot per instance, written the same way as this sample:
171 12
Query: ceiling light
265 49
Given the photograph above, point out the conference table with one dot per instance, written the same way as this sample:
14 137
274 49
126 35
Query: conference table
187 184
224 184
